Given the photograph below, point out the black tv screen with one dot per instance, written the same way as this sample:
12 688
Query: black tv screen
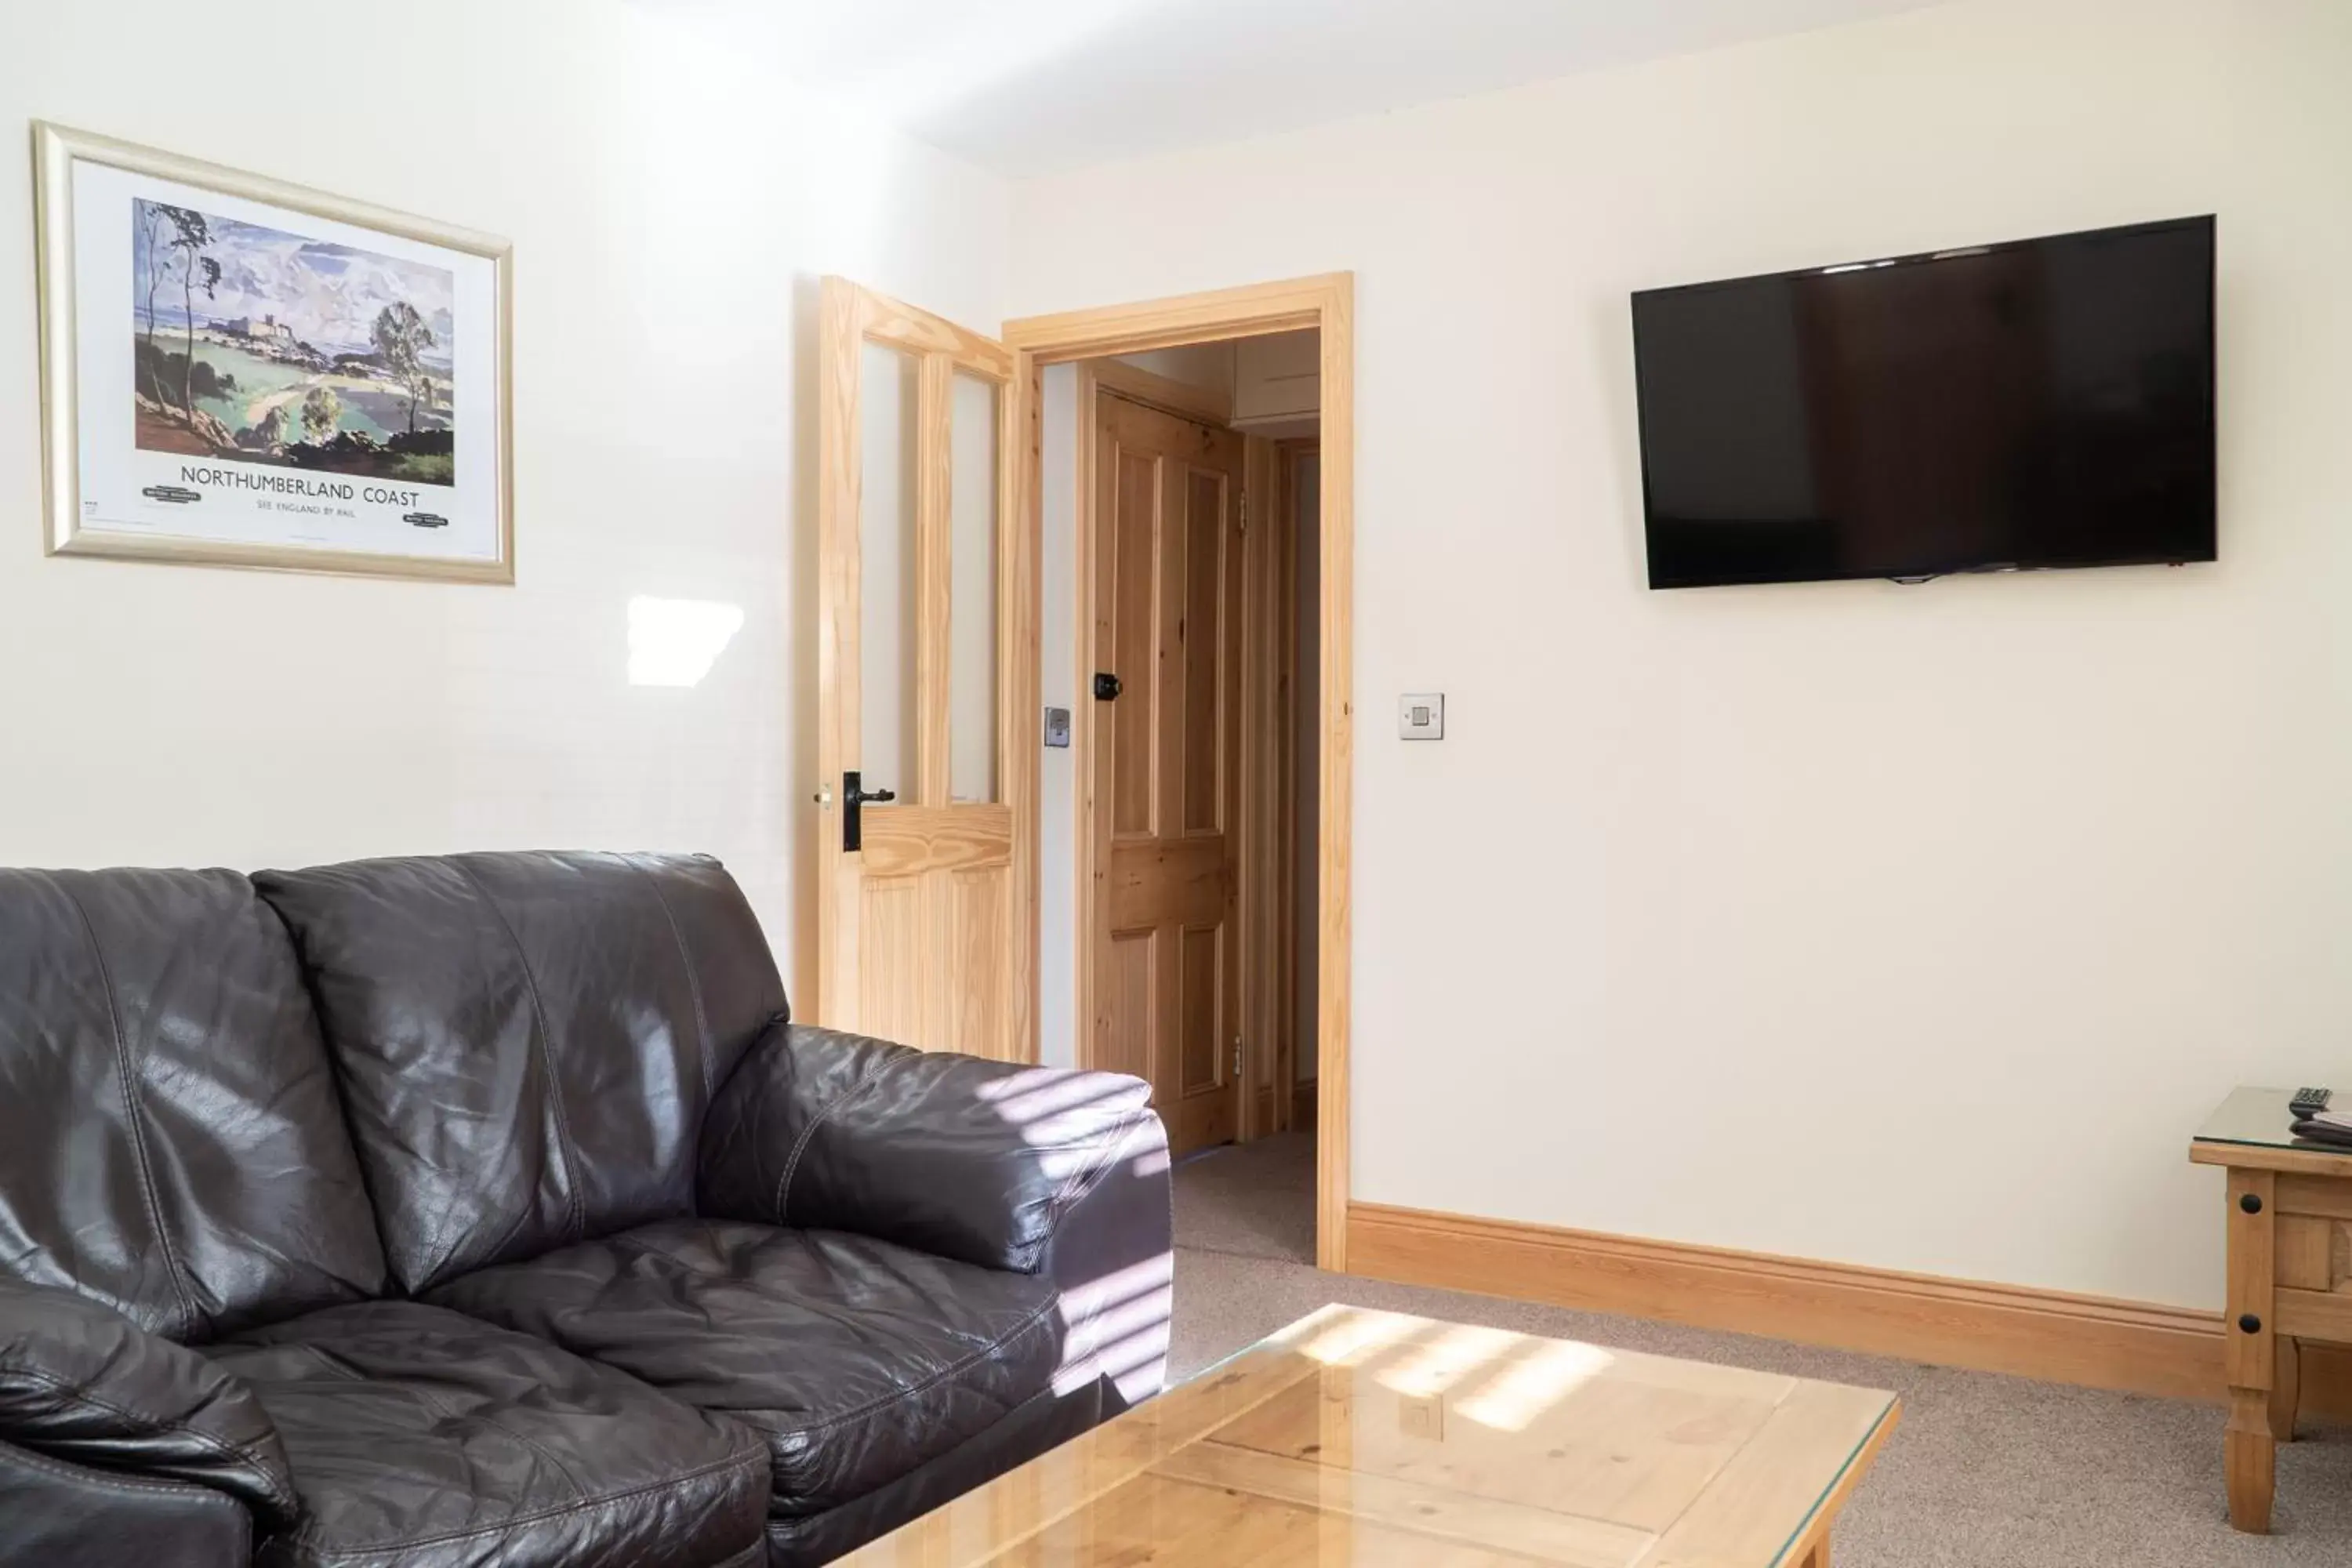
2047 403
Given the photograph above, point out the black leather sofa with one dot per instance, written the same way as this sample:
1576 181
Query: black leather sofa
488 1210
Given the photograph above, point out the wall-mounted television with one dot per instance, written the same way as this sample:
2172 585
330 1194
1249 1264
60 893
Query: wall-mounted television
2040 404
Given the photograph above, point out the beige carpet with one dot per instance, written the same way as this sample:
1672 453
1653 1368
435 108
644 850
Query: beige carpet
1984 1472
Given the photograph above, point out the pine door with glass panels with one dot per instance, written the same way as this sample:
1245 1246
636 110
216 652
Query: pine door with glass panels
926 672
1168 564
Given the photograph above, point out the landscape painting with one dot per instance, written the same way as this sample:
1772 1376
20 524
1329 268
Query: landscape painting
240 372
254 343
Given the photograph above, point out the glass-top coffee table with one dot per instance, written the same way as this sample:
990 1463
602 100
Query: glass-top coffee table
1363 1438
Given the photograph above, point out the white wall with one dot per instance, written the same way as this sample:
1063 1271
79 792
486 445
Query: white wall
1916 927
671 205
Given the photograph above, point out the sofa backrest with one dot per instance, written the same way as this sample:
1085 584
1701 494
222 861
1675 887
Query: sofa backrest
170 1140
527 1042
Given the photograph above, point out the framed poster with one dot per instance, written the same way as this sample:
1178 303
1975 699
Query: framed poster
245 373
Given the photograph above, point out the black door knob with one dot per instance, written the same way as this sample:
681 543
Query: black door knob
2249 1324
854 794
1107 687
2250 1203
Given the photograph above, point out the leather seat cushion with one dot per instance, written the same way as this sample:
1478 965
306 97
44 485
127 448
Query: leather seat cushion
421 1439
858 1358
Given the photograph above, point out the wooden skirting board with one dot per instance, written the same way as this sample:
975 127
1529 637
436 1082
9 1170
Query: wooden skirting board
2172 1351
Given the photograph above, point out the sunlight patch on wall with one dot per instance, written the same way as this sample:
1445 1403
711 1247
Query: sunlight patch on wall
675 642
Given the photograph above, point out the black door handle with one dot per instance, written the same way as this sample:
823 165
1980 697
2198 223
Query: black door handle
854 794
1107 687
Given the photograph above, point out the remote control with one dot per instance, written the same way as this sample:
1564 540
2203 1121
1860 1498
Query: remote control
2307 1100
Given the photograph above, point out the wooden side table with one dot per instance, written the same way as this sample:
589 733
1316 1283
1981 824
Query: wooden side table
2290 1267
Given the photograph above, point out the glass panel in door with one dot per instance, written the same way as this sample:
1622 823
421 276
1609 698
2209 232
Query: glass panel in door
891 395
974 413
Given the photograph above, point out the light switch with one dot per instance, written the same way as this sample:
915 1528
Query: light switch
1421 716
1057 727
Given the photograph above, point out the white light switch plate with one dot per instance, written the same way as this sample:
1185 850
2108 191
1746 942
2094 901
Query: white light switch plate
1421 716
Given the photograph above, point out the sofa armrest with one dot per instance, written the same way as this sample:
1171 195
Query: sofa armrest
1036 1170
67 1516
83 1384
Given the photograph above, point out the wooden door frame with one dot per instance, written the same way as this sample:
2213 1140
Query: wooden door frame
1326 304
1264 848
1287 453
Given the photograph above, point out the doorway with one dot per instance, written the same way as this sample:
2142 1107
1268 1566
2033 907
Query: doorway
1187 964
928 907
1198 937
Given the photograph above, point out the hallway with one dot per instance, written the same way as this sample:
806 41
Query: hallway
1253 1200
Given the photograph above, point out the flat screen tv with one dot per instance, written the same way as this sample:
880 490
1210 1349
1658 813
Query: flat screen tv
1999 407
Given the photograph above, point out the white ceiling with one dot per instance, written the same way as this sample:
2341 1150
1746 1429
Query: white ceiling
1030 85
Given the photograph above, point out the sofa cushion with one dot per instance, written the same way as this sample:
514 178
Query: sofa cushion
169 1141
420 1437
858 1358
1043 1424
527 1043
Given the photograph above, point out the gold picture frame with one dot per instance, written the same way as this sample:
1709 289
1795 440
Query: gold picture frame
345 480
